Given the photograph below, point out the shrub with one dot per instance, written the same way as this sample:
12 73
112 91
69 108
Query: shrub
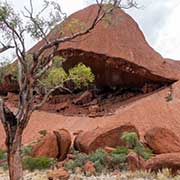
26 150
8 68
79 161
120 150
3 154
33 163
132 141
81 75
43 132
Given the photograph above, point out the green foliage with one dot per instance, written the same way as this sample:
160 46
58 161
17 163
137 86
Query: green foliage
81 75
79 161
132 141
43 132
3 154
40 163
120 150
8 68
130 138
26 150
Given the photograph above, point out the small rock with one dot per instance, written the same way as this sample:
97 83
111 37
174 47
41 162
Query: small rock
109 149
60 174
89 168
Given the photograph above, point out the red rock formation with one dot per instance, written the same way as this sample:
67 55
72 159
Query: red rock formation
170 161
54 145
46 147
117 52
101 137
162 140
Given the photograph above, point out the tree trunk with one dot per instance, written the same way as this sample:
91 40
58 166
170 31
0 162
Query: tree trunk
14 159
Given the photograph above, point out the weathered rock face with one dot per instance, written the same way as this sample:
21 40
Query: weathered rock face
169 160
54 145
116 51
102 137
46 147
64 142
162 140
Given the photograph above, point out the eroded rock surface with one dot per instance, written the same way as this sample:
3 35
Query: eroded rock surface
162 140
55 145
169 160
102 137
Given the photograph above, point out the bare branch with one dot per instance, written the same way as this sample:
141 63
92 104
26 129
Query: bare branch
5 48
37 106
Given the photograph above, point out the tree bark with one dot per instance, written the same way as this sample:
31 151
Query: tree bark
14 159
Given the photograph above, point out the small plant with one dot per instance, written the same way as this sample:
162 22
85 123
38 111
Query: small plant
43 132
132 141
79 161
81 75
3 154
40 163
26 150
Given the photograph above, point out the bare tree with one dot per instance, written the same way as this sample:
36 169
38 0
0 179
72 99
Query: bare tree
30 71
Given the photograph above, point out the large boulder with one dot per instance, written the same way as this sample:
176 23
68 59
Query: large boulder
55 145
48 146
162 140
169 160
123 59
64 142
102 137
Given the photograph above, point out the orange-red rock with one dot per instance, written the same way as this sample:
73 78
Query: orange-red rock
135 162
169 160
59 174
64 142
117 52
162 140
89 168
46 147
54 145
101 137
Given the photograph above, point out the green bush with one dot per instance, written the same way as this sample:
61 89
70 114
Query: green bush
8 68
33 163
81 75
120 150
26 150
3 154
132 141
43 132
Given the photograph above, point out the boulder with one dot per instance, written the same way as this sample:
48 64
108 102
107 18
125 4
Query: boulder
47 146
59 174
55 145
169 160
101 137
64 142
135 162
124 59
162 140
89 168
